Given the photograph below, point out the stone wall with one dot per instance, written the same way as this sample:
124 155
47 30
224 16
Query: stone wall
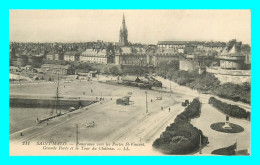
188 65
233 76
237 65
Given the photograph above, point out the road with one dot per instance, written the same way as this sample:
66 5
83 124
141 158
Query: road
210 115
187 91
114 123
118 123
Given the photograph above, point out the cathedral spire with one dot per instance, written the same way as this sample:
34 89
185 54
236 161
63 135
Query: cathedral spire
123 22
123 34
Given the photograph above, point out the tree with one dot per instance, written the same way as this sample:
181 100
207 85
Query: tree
114 71
205 82
234 91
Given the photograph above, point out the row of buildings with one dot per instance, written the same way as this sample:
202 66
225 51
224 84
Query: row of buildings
125 55
121 53
231 68
191 54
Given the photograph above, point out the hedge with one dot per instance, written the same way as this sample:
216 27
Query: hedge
234 92
193 110
181 137
228 109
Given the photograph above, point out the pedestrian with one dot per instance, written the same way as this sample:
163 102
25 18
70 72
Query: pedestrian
151 100
161 108
21 134
169 109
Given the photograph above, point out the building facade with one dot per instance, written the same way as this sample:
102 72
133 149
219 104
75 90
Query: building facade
57 69
54 56
99 56
231 57
162 54
177 46
71 56
232 64
131 56
214 46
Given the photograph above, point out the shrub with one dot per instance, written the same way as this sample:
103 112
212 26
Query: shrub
114 71
184 139
193 110
181 119
181 137
205 82
228 109
234 92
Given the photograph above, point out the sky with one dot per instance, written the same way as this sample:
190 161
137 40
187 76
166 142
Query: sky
144 26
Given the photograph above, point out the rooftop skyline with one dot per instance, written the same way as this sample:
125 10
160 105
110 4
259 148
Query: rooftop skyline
144 26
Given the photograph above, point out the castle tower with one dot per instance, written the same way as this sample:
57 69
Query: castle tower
231 57
123 34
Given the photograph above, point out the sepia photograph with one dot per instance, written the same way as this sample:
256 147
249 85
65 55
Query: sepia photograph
130 82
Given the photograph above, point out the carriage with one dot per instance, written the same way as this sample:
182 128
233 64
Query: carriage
90 124
185 103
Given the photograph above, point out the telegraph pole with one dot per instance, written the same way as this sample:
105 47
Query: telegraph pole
146 102
170 86
59 77
77 135
170 83
57 96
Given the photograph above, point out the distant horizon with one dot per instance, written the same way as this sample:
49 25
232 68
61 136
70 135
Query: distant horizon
144 26
129 41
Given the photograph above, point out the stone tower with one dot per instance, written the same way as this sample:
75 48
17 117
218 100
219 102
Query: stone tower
231 57
123 34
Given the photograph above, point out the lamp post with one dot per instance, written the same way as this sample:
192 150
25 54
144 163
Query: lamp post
77 136
146 102
169 77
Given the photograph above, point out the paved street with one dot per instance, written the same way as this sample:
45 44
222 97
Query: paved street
118 123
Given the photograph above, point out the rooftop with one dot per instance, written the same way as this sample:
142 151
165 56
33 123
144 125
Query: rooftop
233 48
72 53
55 66
172 42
